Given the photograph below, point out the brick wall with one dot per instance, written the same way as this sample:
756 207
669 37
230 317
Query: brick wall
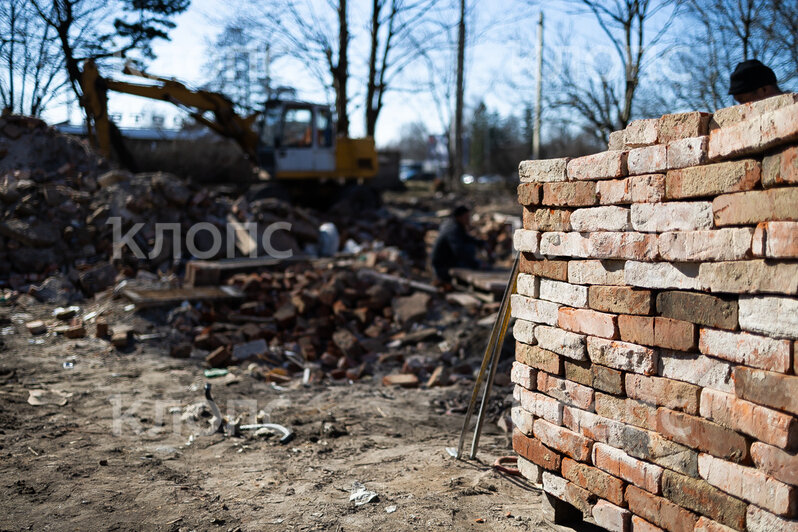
656 323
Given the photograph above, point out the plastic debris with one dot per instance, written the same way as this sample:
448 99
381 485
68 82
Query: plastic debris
360 495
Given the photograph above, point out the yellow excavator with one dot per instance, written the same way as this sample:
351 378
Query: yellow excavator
290 140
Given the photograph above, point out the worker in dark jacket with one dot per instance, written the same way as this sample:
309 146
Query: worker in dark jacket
454 247
752 81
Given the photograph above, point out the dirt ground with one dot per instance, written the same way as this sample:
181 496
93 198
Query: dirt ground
122 454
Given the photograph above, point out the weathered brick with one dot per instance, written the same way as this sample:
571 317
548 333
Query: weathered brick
696 369
622 355
524 331
611 517
647 160
662 275
522 420
554 485
541 406
547 219
675 395
543 170
748 349
618 463
565 244
623 245
562 342
615 141
636 329
580 498
674 334
757 312
627 411
641 133
533 450
594 480
671 216
731 243
608 218
530 470
587 321
606 272
748 484
764 424
701 497
702 309
550 269
750 276
523 375
755 134
529 193
701 434
759 520
604 165
569 194
561 439
579 372
636 189
706 524
620 299
767 388
735 114
776 463
568 392
527 241
713 179
660 511
593 426
538 358
683 125
528 285
535 310
776 240
641 525
687 152
607 379
568 294
754 206
780 168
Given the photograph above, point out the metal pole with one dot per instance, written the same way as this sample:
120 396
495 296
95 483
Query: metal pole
539 95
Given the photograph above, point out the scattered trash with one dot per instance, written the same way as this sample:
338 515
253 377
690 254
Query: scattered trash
452 451
47 397
271 427
360 495
67 313
390 509
215 372
498 465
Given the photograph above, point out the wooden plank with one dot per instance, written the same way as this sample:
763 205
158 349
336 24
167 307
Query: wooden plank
211 272
493 281
172 296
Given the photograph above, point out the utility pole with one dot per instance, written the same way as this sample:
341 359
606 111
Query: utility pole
458 106
539 92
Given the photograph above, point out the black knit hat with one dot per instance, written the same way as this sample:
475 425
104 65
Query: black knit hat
749 76
460 210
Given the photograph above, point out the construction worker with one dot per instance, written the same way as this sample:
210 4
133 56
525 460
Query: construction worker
455 247
752 81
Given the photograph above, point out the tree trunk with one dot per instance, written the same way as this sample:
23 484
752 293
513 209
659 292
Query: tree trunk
341 71
371 86
458 106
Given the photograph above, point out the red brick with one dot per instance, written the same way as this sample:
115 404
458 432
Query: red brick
674 334
713 179
622 355
767 388
593 479
703 309
621 465
604 165
620 299
675 395
701 434
611 517
523 375
752 207
780 168
582 499
566 391
637 189
755 134
699 496
539 358
539 405
534 451
764 424
546 219
550 269
529 193
776 240
647 160
688 152
750 276
748 484
636 329
569 194
623 245
641 525
660 511
543 170
641 133
627 411
607 379
776 463
682 125
705 524
587 321
561 439
747 349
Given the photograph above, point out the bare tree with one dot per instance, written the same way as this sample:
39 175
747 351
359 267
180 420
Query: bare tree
29 59
607 102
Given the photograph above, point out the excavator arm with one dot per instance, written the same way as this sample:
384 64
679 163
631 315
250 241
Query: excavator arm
225 122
